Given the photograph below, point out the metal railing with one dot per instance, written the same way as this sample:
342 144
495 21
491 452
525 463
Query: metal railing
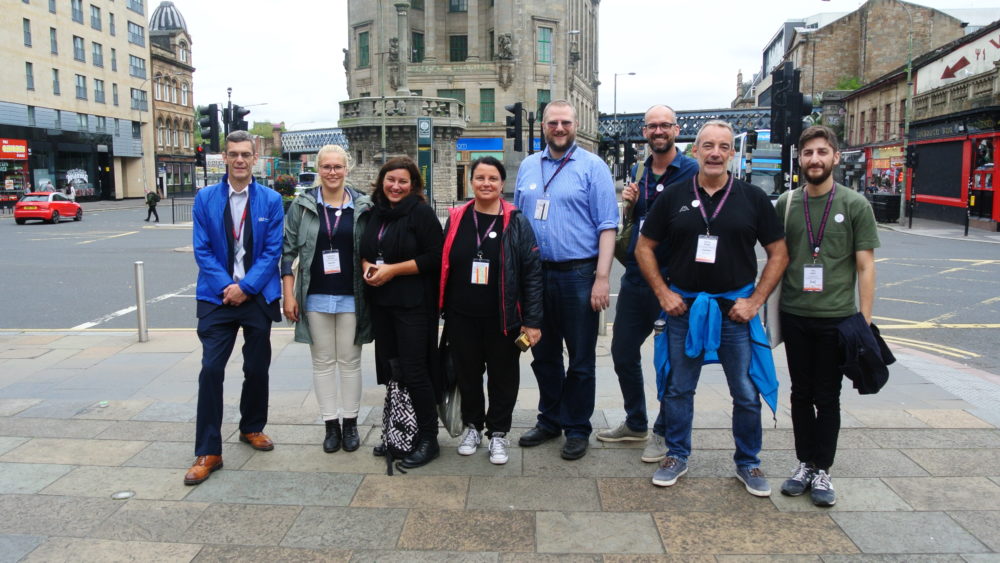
181 210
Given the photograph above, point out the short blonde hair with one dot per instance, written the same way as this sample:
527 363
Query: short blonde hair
337 150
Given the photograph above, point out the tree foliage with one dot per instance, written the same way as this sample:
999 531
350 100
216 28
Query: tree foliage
848 83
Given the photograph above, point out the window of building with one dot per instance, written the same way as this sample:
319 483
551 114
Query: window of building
458 48
31 116
136 6
114 59
491 51
184 94
159 132
544 45
102 123
364 56
26 26
29 75
82 122
114 94
78 52
53 41
52 6
885 118
182 52
55 81
118 128
76 8
81 87
139 101
487 105
417 4
861 129
873 124
136 34
136 66
418 48
58 119
98 54
177 137
173 93
95 17
456 93
99 91
111 23
543 96
157 88
136 130
458 5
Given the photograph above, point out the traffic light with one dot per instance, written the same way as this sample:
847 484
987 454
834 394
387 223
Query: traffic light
199 155
911 156
541 126
515 126
239 123
751 140
209 122
788 105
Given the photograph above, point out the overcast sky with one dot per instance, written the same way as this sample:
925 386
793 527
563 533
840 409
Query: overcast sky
287 54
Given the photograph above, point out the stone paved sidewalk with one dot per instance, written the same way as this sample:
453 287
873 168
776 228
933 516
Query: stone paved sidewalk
86 414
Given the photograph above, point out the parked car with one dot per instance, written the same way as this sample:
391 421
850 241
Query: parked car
46 206
306 181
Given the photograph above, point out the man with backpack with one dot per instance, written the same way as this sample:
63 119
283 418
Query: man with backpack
152 198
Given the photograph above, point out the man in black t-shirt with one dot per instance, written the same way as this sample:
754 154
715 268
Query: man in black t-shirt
711 225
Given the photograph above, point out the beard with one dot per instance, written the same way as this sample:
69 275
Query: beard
667 146
817 176
560 144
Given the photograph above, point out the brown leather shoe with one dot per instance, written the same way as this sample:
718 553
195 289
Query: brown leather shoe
202 469
257 441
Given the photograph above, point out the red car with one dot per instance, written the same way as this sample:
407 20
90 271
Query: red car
46 206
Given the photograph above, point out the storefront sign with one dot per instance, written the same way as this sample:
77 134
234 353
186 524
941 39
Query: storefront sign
887 152
13 149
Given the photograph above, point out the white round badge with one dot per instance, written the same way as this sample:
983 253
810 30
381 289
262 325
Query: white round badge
532 186
493 234
659 187
839 217
695 203
338 212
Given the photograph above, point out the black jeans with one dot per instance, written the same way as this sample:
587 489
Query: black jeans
152 212
403 338
811 346
477 343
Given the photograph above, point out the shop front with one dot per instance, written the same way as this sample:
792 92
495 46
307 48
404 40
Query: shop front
15 178
884 172
175 175
76 164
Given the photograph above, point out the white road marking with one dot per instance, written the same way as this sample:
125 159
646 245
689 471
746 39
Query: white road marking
127 310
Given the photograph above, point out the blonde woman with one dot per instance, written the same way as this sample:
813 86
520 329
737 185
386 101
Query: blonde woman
323 294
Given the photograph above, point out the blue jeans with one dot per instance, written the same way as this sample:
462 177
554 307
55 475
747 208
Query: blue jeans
678 400
566 394
635 311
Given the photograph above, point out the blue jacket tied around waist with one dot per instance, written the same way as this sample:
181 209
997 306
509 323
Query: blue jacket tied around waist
704 335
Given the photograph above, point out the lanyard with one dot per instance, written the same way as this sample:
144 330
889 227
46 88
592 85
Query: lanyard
718 208
340 211
817 240
238 234
562 162
480 238
647 173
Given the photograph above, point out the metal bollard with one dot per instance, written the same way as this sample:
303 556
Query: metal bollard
140 302
602 322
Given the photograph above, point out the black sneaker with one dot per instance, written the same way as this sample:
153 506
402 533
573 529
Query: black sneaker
800 481
536 436
822 490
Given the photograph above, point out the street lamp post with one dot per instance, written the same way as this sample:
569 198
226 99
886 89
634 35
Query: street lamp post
614 121
907 116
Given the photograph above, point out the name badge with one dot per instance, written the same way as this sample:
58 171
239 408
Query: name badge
707 245
480 271
379 261
812 278
542 210
331 261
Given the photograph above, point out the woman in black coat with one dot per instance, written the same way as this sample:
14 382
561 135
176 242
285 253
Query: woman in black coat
401 258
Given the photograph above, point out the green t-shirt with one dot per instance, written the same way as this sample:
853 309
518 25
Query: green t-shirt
850 228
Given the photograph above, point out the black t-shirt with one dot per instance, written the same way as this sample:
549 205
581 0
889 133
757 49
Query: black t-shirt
746 218
343 242
462 296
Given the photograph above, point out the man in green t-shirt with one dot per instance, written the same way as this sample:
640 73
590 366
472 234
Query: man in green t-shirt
831 235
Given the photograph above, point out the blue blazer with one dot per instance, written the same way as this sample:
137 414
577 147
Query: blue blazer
211 242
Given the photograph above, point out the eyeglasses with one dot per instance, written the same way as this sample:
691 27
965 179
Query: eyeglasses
333 168
556 124
235 155
664 126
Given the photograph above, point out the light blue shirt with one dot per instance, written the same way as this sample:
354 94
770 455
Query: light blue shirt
324 303
582 203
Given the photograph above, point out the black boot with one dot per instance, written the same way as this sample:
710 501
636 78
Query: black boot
352 440
426 452
332 441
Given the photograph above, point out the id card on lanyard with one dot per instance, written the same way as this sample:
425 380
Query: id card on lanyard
331 257
542 205
812 274
379 260
481 265
708 244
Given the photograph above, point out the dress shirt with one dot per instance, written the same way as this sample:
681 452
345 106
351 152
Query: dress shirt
237 203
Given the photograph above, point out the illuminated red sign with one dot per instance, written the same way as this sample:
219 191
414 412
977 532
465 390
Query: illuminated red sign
13 149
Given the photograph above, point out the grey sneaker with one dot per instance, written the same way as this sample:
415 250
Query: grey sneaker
800 481
656 449
754 480
822 490
498 448
470 441
621 434
669 471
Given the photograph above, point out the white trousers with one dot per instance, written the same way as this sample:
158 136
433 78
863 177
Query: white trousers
332 347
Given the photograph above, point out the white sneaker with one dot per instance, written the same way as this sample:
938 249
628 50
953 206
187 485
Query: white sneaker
498 448
470 441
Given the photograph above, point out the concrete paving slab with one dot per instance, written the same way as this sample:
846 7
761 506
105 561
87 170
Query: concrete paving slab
731 534
688 495
596 532
267 487
666 558
73 549
907 532
168 412
889 558
113 410
983 524
180 455
533 493
544 461
767 558
885 418
51 428
13 546
411 556
23 353
153 431
42 515
949 418
311 459
102 482
243 524
415 491
27 478
74 451
469 530
853 495
947 493
237 554
955 463
450 463
10 407
872 463
936 438
346 528
8 443
981 558
150 520
56 408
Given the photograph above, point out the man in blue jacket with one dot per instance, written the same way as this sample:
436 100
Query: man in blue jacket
238 226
